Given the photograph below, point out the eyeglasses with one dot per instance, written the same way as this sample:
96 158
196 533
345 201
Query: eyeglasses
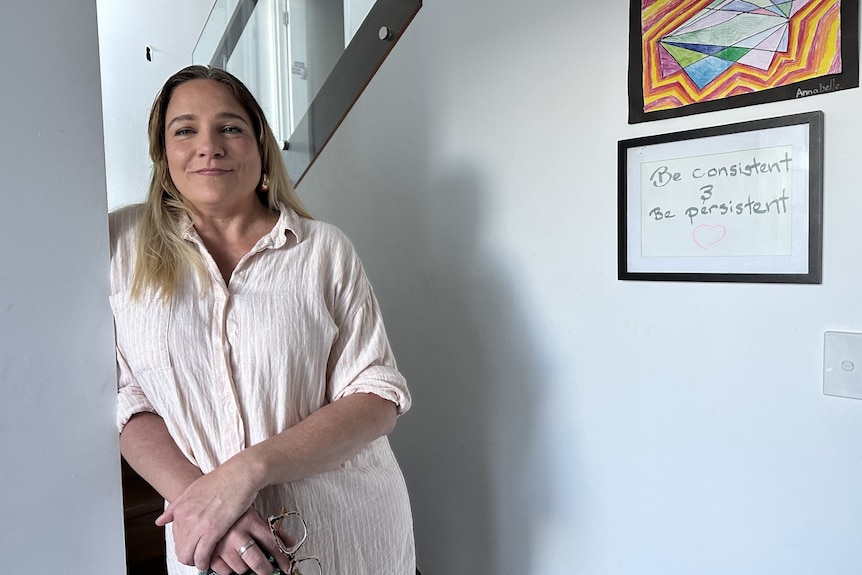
293 525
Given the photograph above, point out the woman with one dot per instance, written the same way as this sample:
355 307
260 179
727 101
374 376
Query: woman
254 369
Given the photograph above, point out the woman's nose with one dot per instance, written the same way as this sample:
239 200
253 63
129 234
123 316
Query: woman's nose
210 144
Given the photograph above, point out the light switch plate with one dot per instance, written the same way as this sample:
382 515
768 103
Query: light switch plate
842 364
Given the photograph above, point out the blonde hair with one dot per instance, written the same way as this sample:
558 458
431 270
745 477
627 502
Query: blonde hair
162 253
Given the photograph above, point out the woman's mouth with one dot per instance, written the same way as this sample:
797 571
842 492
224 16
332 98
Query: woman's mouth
211 172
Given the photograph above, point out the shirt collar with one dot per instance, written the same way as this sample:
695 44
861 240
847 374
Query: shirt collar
288 222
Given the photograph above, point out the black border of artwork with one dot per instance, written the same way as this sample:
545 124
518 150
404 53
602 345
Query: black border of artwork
848 78
814 120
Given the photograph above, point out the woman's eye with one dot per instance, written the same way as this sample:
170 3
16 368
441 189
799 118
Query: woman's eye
183 132
231 130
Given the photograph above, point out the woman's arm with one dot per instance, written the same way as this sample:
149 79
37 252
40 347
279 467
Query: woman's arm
155 456
321 442
324 440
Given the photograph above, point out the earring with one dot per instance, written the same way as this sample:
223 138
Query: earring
264 183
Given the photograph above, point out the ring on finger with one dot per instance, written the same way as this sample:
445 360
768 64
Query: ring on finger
251 543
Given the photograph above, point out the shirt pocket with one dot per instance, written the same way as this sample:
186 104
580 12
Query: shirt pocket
142 326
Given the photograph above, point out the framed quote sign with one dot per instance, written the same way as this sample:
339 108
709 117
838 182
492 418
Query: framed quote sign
734 203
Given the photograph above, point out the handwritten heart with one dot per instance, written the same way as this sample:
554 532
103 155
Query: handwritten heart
706 236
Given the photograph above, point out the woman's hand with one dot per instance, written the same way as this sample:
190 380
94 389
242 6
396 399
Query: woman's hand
203 514
209 506
250 526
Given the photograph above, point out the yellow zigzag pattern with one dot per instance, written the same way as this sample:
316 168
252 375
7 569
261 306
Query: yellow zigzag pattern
814 50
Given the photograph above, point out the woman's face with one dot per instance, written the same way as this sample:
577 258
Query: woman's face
212 152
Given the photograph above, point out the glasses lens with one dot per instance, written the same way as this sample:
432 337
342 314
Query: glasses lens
310 566
289 531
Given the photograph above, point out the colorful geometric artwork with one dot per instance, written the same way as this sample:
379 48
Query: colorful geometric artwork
726 33
695 52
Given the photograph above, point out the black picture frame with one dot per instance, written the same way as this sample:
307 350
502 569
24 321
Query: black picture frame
847 78
735 203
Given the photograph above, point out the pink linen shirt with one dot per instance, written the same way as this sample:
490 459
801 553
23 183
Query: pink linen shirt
227 366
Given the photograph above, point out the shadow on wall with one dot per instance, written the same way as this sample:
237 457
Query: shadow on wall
479 486
462 342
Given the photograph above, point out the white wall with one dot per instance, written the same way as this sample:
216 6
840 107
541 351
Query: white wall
61 507
566 422
130 82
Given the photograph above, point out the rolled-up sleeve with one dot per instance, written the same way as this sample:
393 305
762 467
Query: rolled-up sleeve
361 358
362 361
130 398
